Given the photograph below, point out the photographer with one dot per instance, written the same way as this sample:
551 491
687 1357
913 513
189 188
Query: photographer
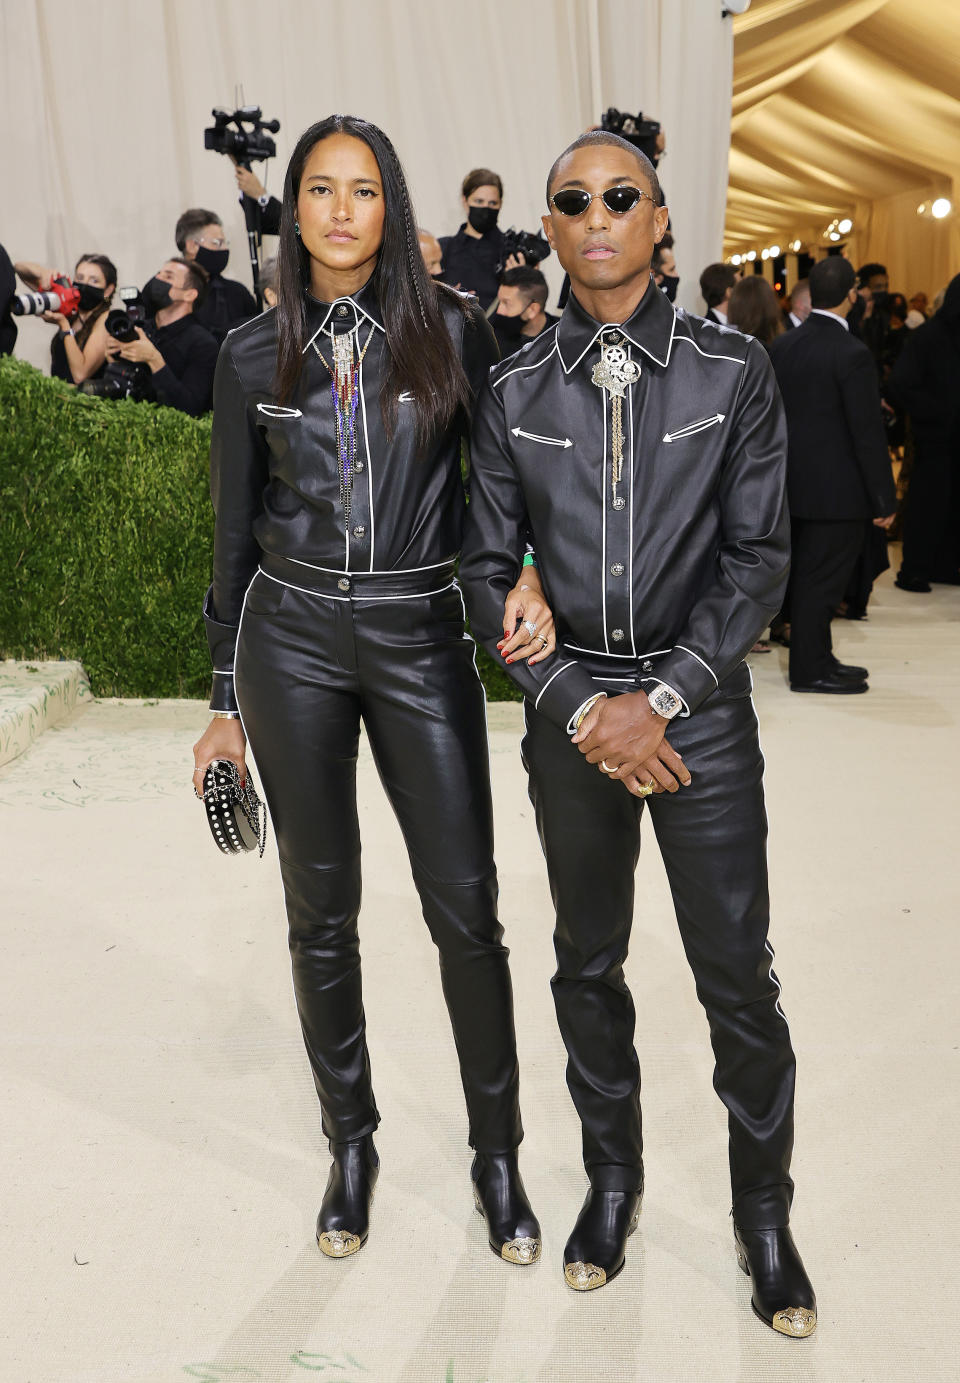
8 286
200 237
520 314
79 350
472 257
663 266
251 187
180 353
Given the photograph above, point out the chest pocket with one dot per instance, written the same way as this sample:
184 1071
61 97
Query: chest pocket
676 434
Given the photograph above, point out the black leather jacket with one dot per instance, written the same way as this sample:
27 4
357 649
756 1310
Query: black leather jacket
675 579
273 471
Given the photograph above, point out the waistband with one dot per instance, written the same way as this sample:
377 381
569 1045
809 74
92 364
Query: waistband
357 585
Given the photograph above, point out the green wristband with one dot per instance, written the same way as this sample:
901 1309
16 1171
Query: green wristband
529 559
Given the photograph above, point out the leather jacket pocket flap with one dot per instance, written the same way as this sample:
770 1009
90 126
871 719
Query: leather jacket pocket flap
274 410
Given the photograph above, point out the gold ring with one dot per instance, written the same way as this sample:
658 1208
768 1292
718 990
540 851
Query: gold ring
645 789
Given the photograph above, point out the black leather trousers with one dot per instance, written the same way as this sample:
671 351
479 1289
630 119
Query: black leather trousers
313 659
712 836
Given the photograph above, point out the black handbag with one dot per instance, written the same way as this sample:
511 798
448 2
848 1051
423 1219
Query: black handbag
235 814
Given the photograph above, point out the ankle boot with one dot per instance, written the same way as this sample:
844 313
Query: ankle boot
499 1195
596 1250
344 1220
782 1293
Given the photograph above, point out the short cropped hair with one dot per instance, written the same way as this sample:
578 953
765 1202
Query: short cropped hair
530 281
197 276
618 142
801 287
192 222
830 281
716 281
869 271
481 177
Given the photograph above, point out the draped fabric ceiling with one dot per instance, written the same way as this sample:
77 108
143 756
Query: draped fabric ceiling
848 108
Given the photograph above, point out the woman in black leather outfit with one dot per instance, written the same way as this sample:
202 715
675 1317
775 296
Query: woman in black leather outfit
336 480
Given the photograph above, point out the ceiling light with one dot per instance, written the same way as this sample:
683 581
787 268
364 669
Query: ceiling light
734 259
921 208
764 254
751 255
834 235
941 208
774 251
845 226
795 246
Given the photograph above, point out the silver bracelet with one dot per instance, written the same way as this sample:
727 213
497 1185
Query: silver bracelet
226 715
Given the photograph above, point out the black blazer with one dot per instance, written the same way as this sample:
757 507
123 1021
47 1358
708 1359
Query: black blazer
838 466
711 316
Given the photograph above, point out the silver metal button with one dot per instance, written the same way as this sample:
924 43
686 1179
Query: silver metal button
616 569
619 502
616 635
613 337
358 465
342 310
359 531
344 584
648 666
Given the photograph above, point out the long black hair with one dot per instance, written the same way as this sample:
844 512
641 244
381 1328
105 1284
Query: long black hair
109 271
423 359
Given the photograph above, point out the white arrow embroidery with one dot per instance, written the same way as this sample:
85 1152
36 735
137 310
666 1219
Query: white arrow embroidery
691 428
405 397
547 441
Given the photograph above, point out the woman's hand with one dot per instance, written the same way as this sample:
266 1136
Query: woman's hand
222 739
526 604
57 319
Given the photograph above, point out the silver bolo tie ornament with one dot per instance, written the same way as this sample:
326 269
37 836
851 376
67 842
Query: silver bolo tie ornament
615 372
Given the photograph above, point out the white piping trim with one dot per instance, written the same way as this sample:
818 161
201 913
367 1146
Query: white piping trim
597 652
612 679
366 447
338 571
684 648
633 641
562 668
221 672
358 312
322 595
518 369
603 511
708 355
619 326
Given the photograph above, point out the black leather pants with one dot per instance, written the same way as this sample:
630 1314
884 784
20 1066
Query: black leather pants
712 836
311 662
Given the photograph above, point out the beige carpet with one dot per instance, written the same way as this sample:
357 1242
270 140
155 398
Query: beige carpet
161 1147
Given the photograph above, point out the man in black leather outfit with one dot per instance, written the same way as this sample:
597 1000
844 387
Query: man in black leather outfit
644 452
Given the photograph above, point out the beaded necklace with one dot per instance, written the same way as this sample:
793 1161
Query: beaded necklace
345 391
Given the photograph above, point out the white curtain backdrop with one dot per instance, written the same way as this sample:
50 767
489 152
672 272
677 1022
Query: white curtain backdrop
103 105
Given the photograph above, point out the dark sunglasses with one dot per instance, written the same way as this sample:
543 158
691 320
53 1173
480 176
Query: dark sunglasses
573 201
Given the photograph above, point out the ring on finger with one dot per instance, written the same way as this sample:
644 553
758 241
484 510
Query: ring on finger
543 640
605 767
645 789
530 627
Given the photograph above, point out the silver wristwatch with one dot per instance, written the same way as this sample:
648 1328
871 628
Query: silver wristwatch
664 702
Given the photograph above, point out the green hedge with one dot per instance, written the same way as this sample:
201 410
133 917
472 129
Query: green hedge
106 536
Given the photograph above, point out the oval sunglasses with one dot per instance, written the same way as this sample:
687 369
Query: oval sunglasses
573 201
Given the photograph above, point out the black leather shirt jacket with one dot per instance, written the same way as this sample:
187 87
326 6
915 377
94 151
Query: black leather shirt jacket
675 582
273 470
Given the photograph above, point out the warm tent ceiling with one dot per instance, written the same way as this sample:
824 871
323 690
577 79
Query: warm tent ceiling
847 107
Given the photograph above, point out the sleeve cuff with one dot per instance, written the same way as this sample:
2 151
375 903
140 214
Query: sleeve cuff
564 692
223 697
222 641
687 676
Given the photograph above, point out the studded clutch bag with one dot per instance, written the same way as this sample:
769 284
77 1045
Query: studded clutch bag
236 816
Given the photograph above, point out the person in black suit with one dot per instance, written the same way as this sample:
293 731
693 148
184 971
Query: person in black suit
838 470
716 285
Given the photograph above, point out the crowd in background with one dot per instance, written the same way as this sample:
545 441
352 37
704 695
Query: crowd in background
901 354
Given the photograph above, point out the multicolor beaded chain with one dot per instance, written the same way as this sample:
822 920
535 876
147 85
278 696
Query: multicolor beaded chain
345 391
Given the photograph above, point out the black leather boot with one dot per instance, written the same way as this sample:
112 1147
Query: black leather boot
344 1220
596 1250
498 1192
782 1293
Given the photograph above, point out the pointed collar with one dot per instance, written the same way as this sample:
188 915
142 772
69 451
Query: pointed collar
650 329
344 313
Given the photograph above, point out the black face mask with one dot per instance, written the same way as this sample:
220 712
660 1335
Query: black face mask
669 283
509 327
156 294
214 261
483 219
90 296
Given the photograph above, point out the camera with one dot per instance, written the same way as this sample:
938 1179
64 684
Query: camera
123 379
534 248
59 296
241 144
642 134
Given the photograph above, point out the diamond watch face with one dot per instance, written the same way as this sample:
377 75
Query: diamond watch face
666 703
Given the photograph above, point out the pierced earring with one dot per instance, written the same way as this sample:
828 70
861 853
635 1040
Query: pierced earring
296 227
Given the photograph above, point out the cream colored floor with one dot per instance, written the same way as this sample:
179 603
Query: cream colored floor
162 1153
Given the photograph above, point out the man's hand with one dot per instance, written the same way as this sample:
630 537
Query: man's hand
248 183
142 351
623 732
526 602
885 523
